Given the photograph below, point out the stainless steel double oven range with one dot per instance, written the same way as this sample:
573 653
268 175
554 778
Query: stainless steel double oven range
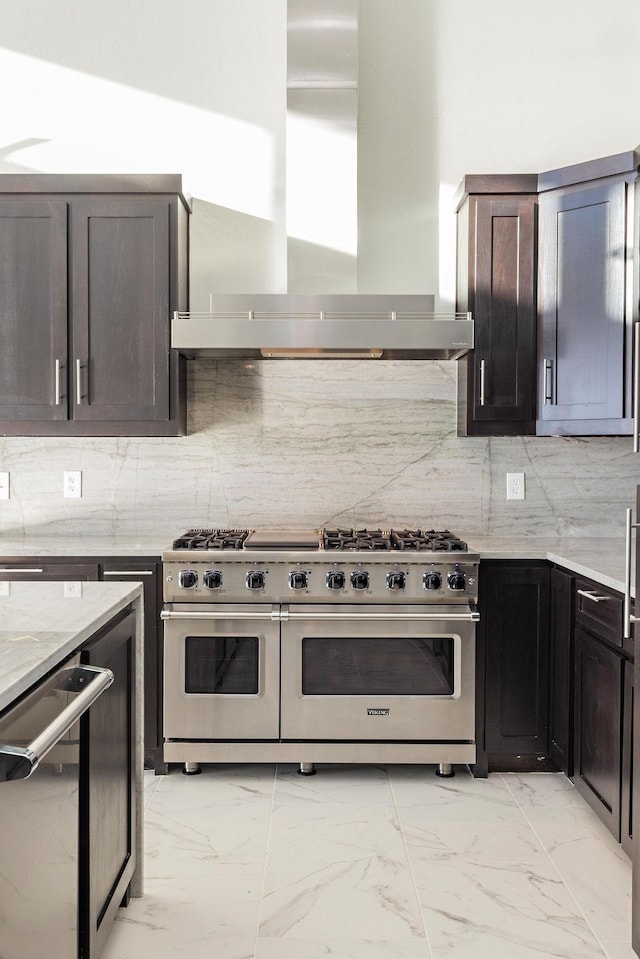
319 646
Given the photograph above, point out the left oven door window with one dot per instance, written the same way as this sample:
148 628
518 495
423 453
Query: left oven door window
222 665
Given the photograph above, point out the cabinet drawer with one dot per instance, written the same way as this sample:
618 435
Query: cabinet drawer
600 610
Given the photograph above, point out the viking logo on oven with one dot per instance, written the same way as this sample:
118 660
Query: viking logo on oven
378 712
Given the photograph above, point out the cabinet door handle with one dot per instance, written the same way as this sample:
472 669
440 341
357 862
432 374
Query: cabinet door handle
629 620
57 383
548 381
636 387
482 381
594 597
78 383
20 569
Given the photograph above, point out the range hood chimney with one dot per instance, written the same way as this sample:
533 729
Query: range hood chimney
321 175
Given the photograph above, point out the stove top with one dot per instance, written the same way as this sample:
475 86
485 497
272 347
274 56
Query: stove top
332 565
331 540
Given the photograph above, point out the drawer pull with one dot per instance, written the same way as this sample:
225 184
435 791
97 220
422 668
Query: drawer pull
590 594
127 572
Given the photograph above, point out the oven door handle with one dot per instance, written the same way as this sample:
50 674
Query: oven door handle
236 614
470 615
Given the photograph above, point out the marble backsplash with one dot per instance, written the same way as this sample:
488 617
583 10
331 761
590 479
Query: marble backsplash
305 444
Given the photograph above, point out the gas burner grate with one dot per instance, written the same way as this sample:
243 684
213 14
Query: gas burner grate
431 540
355 539
211 539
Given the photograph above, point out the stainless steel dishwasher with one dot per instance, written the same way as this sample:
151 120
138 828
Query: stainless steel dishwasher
39 812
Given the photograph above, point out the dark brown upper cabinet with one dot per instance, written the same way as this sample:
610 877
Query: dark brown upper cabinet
91 270
587 297
496 282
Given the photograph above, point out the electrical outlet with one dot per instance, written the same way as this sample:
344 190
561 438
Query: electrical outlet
73 484
515 485
4 485
73 590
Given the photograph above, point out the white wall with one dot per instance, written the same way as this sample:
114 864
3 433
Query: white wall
447 87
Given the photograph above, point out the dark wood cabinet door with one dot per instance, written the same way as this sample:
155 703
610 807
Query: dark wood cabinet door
496 282
515 611
502 301
586 335
149 574
107 821
33 310
120 308
598 726
561 671
627 791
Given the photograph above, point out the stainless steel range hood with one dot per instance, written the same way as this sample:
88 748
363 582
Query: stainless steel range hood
322 317
323 326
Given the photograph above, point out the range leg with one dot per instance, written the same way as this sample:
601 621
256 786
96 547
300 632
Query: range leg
307 769
445 770
191 769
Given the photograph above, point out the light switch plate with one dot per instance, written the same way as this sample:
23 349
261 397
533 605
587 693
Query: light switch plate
73 590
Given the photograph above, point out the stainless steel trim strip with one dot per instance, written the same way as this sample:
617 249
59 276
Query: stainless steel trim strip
594 597
127 572
320 752
627 617
35 752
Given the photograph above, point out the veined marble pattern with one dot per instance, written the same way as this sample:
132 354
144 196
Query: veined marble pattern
374 862
305 444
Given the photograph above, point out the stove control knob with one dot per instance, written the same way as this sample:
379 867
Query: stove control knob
456 580
396 580
298 579
255 579
212 579
360 579
432 580
187 578
335 579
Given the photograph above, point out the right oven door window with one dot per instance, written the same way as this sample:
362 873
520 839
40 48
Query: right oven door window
378 665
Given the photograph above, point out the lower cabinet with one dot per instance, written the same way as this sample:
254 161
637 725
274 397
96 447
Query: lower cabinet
626 789
514 643
107 787
599 674
604 707
561 670
149 573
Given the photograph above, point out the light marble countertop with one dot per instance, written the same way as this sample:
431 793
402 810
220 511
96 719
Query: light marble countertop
78 545
40 626
601 559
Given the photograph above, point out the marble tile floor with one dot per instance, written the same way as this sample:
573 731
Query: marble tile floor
373 862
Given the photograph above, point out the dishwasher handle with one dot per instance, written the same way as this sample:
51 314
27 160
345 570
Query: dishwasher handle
22 761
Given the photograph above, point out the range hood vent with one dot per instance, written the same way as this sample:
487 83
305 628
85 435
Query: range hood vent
327 326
